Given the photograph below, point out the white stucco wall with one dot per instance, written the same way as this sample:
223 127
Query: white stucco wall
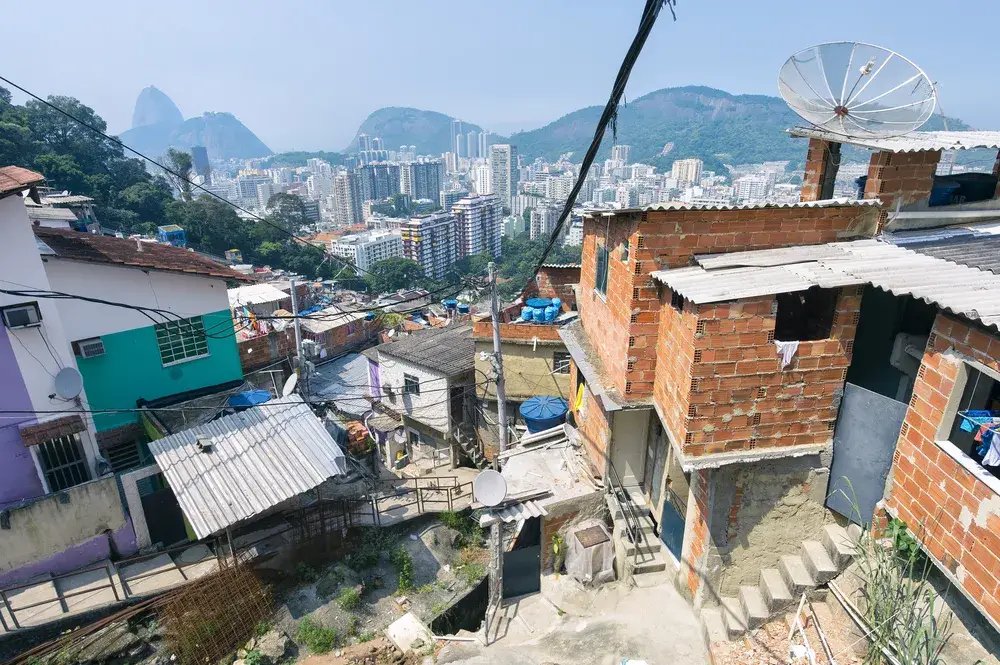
135 509
432 406
184 295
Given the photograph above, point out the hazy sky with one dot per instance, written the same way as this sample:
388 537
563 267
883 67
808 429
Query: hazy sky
303 75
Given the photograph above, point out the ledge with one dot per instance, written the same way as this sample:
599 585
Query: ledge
578 346
970 465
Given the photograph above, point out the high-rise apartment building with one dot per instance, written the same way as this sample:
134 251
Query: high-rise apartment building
448 199
504 169
480 220
377 143
427 179
450 161
245 188
199 160
472 145
620 153
346 199
364 143
486 141
456 131
379 181
686 170
431 241
543 221
367 249
483 178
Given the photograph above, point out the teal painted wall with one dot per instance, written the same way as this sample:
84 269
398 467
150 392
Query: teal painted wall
131 369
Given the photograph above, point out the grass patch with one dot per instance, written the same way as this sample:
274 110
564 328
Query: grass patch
426 588
374 542
255 658
472 533
349 598
366 636
473 573
262 628
403 563
352 625
305 574
316 638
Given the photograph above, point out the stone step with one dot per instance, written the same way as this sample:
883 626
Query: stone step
854 533
649 563
795 575
733 617
713 626
775 590
838 545
818 562
754 607
649 545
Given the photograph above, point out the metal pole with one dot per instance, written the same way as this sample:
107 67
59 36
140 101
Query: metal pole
498 357
303 378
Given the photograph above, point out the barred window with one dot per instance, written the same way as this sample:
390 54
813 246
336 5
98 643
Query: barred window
181 340
63 462
411 385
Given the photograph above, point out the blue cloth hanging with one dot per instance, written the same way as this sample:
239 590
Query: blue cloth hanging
971 420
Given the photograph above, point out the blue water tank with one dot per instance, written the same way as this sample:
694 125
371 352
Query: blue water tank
544 412
463 308
538 302
450 304
370 316
550 313
538 313
557 303
526 313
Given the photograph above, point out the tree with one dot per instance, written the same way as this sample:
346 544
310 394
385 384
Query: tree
394 274
181 164
526 215
62 135
287 211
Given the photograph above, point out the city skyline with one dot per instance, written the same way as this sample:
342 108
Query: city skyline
266 95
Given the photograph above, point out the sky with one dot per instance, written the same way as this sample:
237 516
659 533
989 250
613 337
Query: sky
303 75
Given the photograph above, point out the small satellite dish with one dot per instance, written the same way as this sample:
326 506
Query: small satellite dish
69 383
857 90
489 488
290 384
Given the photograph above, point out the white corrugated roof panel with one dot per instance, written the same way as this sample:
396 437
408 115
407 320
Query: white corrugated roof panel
255 294
330 318
259 458
912 142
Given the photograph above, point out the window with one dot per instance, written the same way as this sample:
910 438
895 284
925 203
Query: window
181 340
625 250
128 455
560 362
63 462
601 283
805 315
411 385
979 392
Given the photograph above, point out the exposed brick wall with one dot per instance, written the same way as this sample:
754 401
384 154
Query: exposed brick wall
816 161
900 177
738 395
562 516
554 282
696 535
483 329
674 358
954 514
594 427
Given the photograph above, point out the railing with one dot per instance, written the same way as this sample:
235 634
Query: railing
633 528
430 492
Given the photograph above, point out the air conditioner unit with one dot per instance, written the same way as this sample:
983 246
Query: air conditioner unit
90 348
310 348
25 315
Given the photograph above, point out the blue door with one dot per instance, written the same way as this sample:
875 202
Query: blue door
672 522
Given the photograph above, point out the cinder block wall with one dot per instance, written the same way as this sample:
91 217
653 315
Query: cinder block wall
948 506
900 178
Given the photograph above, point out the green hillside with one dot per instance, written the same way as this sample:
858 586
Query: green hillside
429 131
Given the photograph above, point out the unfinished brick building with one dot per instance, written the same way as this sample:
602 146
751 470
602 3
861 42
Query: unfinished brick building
736 366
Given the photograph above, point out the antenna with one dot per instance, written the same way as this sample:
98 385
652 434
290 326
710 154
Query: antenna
489 488
69 383
857 90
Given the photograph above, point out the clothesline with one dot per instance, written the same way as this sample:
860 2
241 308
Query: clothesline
988 436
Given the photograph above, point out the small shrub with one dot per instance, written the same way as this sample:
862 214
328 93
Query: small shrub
905 544
366 636
352 625
438 608
262 628
403 563
373 543
453 520
426 588
349 598
473 573
317 638
254 658
305 574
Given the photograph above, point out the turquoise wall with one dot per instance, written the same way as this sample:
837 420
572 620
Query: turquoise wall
131 369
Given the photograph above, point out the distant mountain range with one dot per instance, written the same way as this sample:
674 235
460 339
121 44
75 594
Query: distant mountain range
662 126
157 125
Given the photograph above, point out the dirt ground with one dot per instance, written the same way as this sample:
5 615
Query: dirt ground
379 651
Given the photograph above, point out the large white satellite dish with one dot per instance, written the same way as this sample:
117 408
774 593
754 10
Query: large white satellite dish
489 488
69 383
857 90
290 384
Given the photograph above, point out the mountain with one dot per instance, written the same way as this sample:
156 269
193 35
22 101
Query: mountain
157 124
429 131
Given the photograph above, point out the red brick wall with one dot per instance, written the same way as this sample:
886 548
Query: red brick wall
903 177
738 396
482 329
696 534
593 425
812 179
557 283
674 358
955 515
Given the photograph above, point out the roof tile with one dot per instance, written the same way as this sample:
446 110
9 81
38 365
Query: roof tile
15 179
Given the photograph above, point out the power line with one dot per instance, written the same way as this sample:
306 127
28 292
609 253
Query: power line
608 117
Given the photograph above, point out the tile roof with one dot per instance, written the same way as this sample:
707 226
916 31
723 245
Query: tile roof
450 350
93 248
16 179
912 142
259 458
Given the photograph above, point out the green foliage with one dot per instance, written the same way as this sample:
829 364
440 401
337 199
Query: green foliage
255 657
262 628
518 257
287 211
305 574
428 130
349 598
473 572
368 552
328 584
426 588
393 274
180 162
402 561
366 636
471 532
316 638
352 625
906 546
299 158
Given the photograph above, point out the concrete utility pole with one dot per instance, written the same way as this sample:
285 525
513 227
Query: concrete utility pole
498 357
301 370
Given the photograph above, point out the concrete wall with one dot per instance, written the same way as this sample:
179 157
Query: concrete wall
52 524
109 545
527 371
630 433
432 406
563 515
134 502
760 512
19 477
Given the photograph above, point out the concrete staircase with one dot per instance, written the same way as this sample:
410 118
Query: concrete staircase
777 590
466 438
637 557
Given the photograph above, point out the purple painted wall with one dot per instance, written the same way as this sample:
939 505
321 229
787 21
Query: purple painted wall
18 476
79 556
374 379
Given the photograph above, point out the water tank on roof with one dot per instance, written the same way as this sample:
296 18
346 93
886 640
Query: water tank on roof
450 304
544 412
463 308
370 316
538 302
526 313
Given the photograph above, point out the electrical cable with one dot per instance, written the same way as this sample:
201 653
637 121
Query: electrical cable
608 117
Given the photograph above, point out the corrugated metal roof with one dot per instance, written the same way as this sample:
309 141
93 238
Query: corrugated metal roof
975 251
518 511
680 205
330 318
961 289
260 457
912 142
255 294
343 381
62 214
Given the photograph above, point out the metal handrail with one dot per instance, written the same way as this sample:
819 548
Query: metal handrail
632 526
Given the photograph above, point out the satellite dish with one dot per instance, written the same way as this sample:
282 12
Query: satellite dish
290 384
489 488
857 90
69 383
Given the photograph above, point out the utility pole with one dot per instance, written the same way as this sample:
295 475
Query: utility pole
301 370
498 357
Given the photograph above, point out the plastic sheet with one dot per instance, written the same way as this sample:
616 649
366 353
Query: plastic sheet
591 564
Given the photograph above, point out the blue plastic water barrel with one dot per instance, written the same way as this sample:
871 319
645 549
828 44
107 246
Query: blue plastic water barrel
538 302
557 303
463 308
550 313
544 412
538 314
370 316
526 313
450 304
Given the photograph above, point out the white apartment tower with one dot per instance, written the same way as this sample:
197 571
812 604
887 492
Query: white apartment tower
367 249
620 153
686 170
346 199
483 179
431 241
503 165
480 222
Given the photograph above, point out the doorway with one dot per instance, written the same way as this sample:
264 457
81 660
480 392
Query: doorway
164 517
677 488
656 459
522 566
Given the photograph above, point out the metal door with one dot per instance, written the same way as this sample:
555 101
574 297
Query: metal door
656 460
863 444
164 517
522 566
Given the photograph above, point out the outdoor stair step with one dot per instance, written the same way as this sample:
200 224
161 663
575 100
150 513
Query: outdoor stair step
795 574
818 562
754 607
774 589
713 626
838 545
733 617
649 563
854 532
648 546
